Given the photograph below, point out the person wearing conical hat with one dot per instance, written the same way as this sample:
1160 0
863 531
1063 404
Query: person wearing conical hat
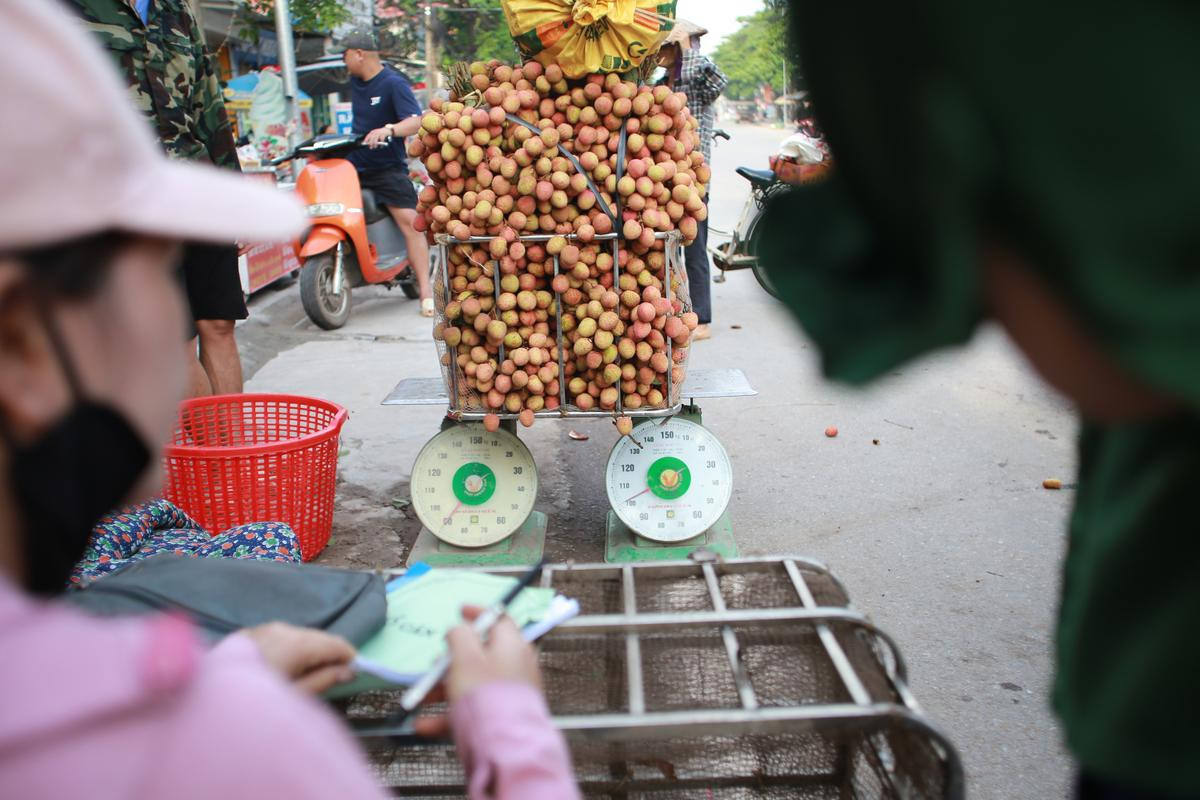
694 74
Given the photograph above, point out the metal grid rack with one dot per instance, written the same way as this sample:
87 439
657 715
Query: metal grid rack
748 678
464 402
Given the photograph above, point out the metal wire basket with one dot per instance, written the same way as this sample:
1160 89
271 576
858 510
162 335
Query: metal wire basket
751 678
467 404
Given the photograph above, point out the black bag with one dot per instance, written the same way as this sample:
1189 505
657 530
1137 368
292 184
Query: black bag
222 595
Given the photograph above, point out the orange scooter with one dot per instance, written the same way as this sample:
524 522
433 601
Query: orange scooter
353 240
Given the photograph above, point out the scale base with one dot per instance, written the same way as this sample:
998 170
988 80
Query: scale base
523 547
622 545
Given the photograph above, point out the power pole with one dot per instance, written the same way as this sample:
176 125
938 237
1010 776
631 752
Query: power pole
431 58
287 68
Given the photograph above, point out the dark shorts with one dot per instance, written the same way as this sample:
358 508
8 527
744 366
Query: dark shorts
392 187
211 282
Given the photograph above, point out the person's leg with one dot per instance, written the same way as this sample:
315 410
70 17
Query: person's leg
695 257
394 189
219 355
199 384
418 248
214 292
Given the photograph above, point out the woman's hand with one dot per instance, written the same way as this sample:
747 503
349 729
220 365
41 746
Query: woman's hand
505 656
312 660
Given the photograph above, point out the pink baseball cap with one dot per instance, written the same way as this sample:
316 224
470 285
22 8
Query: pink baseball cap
80 159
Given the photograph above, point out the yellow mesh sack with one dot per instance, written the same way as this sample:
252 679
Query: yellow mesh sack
586 36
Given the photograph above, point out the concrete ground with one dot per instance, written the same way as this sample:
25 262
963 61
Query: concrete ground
941 530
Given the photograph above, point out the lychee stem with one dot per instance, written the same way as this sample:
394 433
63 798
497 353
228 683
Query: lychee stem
630 435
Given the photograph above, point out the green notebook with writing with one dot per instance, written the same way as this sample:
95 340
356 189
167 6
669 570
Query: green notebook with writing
421 612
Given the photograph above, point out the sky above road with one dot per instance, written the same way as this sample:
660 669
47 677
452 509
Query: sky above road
719 16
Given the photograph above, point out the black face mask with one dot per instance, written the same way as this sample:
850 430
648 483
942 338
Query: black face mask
75 473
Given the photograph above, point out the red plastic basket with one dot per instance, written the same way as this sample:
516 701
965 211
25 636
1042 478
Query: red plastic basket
242 458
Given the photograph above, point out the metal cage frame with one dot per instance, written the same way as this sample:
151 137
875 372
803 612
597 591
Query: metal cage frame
451 372
868 700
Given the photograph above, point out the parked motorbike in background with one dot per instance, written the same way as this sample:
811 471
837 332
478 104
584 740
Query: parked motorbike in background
801 158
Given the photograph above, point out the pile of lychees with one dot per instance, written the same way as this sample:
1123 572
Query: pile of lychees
497 177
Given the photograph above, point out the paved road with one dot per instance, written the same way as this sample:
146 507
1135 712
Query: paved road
941 531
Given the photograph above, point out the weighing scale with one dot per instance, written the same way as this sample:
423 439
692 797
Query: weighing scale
473 488
669 483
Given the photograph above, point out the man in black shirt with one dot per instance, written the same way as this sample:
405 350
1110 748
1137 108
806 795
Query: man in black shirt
386 112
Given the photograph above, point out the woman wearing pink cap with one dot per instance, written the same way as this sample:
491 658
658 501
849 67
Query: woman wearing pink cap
90 376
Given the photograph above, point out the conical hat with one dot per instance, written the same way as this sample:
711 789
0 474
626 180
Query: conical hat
684 30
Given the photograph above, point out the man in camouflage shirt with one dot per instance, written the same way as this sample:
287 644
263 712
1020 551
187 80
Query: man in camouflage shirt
160 50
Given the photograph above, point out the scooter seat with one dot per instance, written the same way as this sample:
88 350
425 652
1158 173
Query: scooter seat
759 177
373 211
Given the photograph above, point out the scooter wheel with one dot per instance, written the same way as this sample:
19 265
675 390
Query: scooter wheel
326 309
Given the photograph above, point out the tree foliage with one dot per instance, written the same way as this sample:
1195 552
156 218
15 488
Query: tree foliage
464 30
757 52
307 15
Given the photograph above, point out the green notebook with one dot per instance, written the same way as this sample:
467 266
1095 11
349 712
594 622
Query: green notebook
419 615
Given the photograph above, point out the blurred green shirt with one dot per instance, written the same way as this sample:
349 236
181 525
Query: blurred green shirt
1072 134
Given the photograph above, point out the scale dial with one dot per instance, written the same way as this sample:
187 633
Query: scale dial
669 481
472 488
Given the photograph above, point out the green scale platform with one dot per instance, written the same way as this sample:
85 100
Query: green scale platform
523 547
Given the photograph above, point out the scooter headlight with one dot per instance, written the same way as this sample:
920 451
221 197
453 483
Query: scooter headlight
326 209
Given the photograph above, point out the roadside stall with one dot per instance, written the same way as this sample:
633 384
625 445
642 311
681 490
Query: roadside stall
257 111
261 265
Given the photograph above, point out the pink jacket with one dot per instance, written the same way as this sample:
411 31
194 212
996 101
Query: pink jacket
135 708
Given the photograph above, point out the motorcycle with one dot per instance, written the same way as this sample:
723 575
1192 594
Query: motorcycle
802 158
353 241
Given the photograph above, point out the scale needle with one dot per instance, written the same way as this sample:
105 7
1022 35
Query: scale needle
639 494
450 516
